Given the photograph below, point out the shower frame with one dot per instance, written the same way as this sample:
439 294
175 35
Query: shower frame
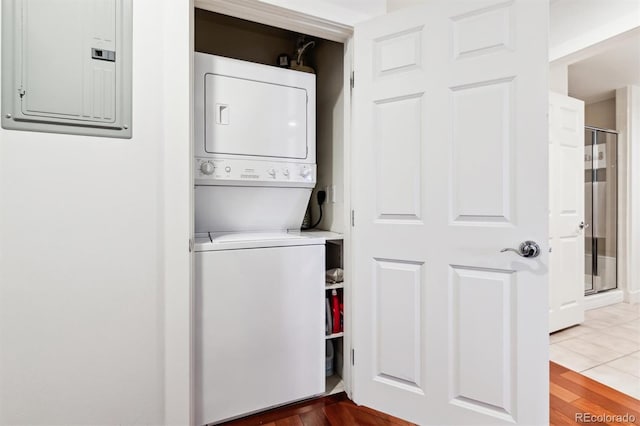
593 267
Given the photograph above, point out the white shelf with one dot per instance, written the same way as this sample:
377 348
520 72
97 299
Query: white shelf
331 286
327 235
334 335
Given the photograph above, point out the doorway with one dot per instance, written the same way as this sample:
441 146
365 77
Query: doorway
604 345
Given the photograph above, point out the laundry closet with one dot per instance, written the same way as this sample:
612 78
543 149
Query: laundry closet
254 203
420 159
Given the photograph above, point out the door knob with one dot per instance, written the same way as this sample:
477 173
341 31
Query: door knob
583 225
526 249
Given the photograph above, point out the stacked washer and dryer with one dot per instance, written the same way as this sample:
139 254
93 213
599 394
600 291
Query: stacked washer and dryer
259 284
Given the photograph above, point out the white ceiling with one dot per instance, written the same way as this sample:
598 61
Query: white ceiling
596 78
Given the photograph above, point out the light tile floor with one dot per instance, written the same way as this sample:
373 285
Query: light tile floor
606 347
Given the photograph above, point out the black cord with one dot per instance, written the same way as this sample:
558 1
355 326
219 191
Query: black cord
319 219
321 196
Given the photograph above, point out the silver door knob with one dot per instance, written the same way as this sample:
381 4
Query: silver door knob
583 225
526 249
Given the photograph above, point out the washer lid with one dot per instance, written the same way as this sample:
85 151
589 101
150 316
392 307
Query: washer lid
243 240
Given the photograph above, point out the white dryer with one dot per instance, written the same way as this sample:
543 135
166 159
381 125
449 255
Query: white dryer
255 145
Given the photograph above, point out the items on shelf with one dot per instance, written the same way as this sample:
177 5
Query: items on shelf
334 307
328 321
335 275
328 366
335 311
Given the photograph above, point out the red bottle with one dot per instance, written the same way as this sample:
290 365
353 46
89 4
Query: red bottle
335 311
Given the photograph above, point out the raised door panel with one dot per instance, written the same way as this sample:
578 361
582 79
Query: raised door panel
482 168
483 31
398 146
482 339
398 316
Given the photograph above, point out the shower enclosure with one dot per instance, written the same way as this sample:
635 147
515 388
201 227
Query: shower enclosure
601 212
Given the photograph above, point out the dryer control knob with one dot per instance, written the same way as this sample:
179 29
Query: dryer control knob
272 172
285 172
207 168
305 172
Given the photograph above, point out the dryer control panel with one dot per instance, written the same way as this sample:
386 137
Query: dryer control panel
218 171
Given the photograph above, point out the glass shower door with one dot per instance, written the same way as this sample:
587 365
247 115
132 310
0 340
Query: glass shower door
600 210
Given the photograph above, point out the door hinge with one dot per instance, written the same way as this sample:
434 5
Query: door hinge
353 356
190 245
353 218
21 92
352 79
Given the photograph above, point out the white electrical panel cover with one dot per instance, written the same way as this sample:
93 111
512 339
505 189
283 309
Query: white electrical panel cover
66 66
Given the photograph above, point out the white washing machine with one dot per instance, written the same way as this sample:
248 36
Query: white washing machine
259 324
259 299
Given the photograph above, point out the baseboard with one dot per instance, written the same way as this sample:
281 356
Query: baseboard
632 296
606 298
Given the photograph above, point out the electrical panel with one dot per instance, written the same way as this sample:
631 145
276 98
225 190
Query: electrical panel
66 66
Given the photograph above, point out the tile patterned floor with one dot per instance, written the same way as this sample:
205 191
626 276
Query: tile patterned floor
606 347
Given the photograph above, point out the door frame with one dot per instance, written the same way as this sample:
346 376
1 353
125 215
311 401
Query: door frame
176 322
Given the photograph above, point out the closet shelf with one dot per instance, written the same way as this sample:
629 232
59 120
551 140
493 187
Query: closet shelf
331 286
334 335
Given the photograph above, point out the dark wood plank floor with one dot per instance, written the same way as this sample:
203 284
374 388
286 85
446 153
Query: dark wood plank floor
334 410
570 394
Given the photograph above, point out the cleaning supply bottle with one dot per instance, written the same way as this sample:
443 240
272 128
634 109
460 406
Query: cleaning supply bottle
335 311
328 360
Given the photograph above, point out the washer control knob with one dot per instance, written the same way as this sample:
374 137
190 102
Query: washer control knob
285 172
305 172
272 172
207 168
227 169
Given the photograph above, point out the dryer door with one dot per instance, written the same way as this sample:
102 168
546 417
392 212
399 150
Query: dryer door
248 117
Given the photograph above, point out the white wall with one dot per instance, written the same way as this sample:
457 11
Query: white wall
628 124
578 24
330 134
82 253
601 114
559 78
393 5
177 33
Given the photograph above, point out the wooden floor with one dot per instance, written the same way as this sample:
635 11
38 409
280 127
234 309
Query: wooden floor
571 395
335 410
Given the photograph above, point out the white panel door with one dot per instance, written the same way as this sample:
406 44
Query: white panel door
566 211
450 167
